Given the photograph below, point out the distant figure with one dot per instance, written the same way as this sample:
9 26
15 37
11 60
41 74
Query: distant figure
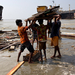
42 38
50 27
34 33
25 43
55 38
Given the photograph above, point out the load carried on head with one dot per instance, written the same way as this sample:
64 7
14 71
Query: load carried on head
45 13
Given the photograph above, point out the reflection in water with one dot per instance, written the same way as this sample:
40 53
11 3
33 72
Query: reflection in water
63 66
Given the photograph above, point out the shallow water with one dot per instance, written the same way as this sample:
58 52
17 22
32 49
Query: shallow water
63 66
9 24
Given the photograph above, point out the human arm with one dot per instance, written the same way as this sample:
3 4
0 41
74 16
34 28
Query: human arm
34 26
30 23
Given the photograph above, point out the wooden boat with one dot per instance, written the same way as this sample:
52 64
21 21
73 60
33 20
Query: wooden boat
46 14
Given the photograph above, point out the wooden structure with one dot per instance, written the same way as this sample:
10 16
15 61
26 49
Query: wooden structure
35 56
41 8
46 14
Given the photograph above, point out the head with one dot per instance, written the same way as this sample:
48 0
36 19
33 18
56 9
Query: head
59 17
34 21
50 20
19 22
40 21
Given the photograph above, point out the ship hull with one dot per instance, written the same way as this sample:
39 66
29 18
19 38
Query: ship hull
67 15
1 8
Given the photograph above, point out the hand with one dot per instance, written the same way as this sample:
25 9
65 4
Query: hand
34 19
26 20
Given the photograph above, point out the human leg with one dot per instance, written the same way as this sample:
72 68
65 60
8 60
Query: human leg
31 50
40 48
44 54
33 42
41 59
30 56
18 56
21 50
33 39
44 49
59 54
54 42
37 44
54 53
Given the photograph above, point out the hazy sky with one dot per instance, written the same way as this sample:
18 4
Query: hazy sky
23 9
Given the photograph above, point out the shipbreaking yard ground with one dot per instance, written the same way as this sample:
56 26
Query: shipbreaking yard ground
9 64
8 57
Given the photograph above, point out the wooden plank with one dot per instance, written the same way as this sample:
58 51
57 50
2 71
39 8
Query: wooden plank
9 46
15 68
45 14
35 56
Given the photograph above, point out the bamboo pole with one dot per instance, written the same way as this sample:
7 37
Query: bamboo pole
15 68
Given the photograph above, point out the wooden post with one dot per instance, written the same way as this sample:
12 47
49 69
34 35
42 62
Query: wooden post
15 68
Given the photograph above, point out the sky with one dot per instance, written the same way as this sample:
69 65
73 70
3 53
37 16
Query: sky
22 9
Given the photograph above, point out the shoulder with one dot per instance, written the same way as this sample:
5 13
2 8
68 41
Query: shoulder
20 28
23 28
26 27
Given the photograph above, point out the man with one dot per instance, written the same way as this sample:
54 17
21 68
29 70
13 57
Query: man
34 33
55 38
59 22
42 38
50 27
25 43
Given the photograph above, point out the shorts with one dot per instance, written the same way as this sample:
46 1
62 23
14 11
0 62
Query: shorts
28 46
42 45
49 32
35 36
54 41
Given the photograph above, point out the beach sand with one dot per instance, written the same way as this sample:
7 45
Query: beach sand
63 66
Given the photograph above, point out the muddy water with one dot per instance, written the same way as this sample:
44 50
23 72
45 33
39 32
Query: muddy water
63 66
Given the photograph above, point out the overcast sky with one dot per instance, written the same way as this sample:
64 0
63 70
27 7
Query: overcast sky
23 9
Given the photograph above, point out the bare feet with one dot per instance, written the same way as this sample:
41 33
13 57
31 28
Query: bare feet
30 61
17 60
40 60
44 59
52 57
59 56
36 48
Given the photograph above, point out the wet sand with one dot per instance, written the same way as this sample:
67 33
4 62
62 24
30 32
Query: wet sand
63 66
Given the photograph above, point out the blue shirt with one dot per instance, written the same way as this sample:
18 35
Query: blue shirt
55 29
